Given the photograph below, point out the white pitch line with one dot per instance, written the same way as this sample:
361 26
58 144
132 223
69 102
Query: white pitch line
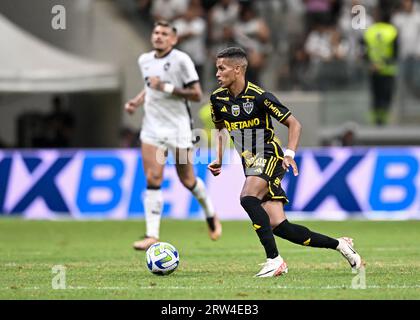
220 288
78 265
282 287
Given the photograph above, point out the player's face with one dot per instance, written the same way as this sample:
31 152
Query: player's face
163 38
227 72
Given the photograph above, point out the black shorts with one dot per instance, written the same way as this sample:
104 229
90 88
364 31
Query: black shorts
268 167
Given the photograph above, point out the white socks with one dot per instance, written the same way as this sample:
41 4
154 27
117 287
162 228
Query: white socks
153 204
200 193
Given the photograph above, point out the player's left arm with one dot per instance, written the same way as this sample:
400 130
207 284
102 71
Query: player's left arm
188 75
282 114
295 129
191 92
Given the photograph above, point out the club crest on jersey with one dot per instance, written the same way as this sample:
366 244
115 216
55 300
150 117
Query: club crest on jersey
248 106
236 110
166 66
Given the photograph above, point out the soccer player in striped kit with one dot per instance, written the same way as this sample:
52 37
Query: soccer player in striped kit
244 110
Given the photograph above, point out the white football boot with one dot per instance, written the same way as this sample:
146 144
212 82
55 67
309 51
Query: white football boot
272 268
345 247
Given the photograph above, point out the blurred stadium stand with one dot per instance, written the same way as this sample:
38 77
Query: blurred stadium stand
325 91
91 27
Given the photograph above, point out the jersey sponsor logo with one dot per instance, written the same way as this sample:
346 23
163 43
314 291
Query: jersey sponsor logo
224 109
236 110
223 98
238 125
248 106
273 108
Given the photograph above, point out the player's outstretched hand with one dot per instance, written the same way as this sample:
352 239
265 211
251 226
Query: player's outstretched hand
215 168
130 106
287 162
134 103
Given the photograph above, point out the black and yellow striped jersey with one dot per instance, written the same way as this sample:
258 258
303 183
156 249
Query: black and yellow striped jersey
247 118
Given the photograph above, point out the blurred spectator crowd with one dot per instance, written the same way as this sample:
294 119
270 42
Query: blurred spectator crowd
46 130
309 44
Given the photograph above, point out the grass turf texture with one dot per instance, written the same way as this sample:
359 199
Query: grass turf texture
100 263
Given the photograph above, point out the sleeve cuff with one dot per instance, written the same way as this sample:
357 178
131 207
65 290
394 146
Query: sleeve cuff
287 115
190 83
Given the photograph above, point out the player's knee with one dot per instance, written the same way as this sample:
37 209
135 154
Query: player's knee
186 178
188 182
252 189
153 179
245 193
251 193
249 202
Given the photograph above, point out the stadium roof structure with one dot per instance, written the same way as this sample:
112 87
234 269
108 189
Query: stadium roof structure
29 64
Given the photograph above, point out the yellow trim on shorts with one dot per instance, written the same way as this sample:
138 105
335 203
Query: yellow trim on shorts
267 168
269 165
276 150
273 167
273 196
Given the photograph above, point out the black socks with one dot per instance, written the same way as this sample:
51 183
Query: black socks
292 232
301 235
261 224
210 222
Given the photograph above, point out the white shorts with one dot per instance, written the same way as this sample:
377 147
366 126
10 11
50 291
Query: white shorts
168 140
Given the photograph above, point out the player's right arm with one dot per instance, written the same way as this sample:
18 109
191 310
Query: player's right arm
132 104
215 166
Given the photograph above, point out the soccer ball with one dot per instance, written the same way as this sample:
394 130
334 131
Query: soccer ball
162 258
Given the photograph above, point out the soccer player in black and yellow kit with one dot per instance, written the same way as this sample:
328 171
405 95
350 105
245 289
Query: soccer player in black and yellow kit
245 110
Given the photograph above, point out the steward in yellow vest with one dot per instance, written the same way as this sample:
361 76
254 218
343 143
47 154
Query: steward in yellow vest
381 49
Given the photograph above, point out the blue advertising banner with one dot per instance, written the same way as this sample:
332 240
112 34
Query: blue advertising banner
333 183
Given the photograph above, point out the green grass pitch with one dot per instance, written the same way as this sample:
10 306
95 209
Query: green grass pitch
101 264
